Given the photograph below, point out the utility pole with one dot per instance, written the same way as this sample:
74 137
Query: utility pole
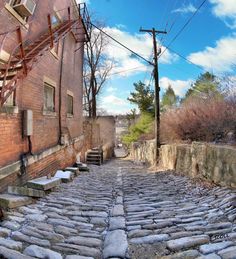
157 89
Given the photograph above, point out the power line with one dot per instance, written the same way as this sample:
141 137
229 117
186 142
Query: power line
135 53
184 58
124 71
184 26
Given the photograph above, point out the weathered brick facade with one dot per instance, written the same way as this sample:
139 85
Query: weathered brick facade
65 72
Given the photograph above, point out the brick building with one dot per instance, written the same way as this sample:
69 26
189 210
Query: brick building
41 61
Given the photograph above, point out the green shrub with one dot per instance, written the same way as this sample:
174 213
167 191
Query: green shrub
143 126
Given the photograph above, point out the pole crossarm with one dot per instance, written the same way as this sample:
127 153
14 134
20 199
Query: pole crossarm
151 31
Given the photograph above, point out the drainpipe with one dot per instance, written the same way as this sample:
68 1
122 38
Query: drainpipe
60 90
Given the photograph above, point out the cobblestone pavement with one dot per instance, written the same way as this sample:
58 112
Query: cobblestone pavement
120 210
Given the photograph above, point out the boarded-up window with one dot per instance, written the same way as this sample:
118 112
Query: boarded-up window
49 97
69 104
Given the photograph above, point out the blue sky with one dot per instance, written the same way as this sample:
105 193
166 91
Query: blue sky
209 41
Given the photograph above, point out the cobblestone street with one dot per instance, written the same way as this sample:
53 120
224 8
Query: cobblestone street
121 210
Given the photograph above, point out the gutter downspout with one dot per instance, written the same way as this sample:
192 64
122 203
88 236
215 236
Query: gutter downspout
60 91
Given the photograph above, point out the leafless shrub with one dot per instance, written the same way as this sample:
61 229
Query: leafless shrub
198 119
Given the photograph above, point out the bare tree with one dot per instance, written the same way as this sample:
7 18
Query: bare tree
96 69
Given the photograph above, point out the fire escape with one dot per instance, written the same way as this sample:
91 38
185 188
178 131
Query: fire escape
26 54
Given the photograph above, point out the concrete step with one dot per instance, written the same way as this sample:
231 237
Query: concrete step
93 159
94 162
94 152
43 183
65 176
10 201
94 155
75 170
24 191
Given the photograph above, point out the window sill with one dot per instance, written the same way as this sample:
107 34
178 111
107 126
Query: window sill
49 113
70 115
9 110
16 15
54 53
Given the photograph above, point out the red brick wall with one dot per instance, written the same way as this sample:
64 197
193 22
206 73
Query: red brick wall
50 164
29 95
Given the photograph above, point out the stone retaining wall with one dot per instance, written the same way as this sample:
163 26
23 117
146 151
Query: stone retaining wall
216 163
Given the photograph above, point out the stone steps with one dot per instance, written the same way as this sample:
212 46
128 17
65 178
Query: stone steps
64 176
24 191
82 167
43 183
75 170
10 201
94 157
37 188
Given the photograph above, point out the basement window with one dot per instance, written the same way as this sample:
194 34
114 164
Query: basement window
70 105
49 98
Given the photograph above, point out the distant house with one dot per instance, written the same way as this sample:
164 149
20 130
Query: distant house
41 62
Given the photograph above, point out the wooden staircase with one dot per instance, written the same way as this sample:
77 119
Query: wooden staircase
25 54
94 156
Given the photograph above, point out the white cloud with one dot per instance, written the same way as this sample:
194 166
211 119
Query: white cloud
111 89
112 99
179 86
225 9
140 43
220 58
185 9
114 105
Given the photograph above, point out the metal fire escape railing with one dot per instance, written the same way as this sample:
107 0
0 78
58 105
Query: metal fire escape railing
25 54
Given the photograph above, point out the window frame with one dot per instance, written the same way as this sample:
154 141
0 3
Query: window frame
69 112
45 108
19 17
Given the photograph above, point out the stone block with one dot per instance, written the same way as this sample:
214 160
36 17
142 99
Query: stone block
13 201
115 244
9 253
75 170
210 248
41 252
65 176
187 242
82 167
43 183
24 191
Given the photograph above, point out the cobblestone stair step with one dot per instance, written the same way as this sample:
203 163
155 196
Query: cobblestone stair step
10 201
75 170
43 183
24 191
65 176
82 167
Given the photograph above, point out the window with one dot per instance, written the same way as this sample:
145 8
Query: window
55 22
11 99
49 98
69 104
13 3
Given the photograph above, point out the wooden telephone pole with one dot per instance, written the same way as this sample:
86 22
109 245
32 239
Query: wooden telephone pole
157 89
